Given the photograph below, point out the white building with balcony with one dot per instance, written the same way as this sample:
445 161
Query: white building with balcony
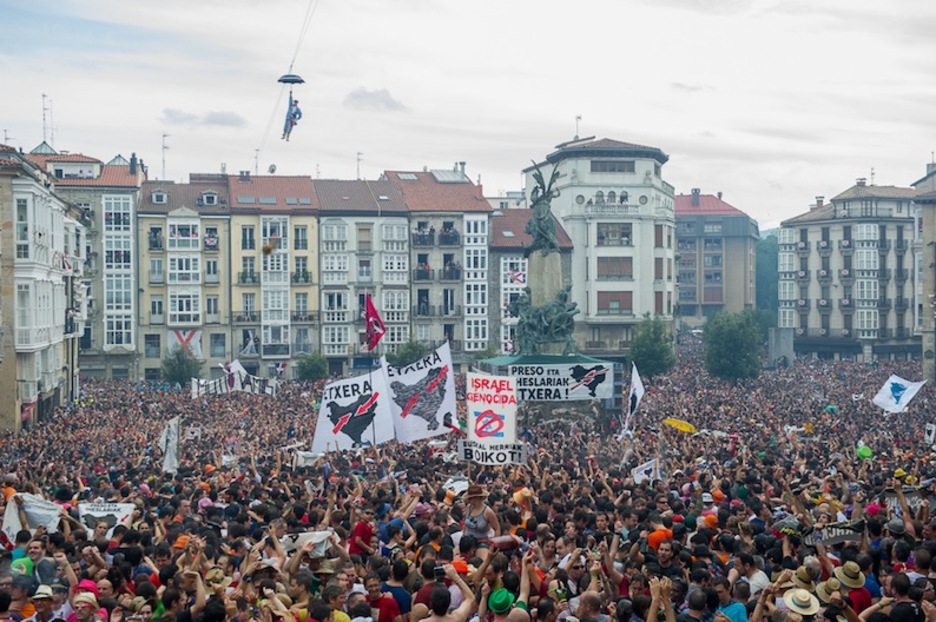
619 214
43 305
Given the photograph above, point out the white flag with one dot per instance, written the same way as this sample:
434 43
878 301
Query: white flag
423 396
646 471
354 412
38 512
895 395
169 443
633 400
930 435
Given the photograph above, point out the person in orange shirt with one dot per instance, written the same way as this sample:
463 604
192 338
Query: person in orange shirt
9 485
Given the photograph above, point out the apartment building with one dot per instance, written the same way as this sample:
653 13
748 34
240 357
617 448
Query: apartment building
274 255
184 239
364 249
717 257
450 273
509 269
848 275
107 195
42 299
619 214
925 202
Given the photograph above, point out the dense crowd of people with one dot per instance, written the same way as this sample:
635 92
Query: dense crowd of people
768 512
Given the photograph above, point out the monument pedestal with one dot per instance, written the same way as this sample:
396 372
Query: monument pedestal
544 278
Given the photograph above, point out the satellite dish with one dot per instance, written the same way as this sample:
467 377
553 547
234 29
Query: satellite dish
272 169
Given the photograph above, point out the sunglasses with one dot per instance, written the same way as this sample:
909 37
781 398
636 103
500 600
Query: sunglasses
577 567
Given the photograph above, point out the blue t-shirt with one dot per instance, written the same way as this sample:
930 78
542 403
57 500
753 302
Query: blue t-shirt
403 598
734 611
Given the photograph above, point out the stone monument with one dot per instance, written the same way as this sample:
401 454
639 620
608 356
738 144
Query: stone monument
545 323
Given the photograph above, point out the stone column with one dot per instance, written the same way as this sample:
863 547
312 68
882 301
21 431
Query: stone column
544 278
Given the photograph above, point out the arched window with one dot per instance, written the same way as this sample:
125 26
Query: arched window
611 196
623 197
599 197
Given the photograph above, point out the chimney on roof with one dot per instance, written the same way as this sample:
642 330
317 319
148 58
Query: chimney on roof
696 197
461 167
244 177
819 201
861 182
133 163
930 167
719 195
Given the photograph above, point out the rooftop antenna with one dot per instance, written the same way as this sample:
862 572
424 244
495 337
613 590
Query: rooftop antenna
256 161
165 148
578 118
318 171
872 175
360 156
6 137
45 126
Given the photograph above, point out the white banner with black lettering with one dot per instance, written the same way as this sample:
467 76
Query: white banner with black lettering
567 382
234 381
649 470
423 404
506 453
113 514
294 541
354 412
38 512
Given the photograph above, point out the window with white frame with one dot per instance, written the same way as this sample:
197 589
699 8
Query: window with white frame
786 318
275 335
866 289
184 236
336 301
184 270
335 335
786 262
866 231
249 303
866 319
118 293
476 334
24 306
185 308
157 309
397 334
475 295
117 253
301 237
218 345
423 332
787 236
118 210
475 264
302 304
276 262
395 267
212 309
335 268
118 330
395 306
211 269
476 231
787 290
156 270
22 228
334 236
866 259
394 238
276 305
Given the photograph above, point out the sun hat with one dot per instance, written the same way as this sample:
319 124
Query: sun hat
216 576
850 575
707 497
801 602
85 597
803 580
43 591
475 491
500 601
824 590
896 527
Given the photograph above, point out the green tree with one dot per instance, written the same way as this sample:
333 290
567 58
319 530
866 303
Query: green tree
764 320
652 347
312 367
408 353
179 367
767 279
732 346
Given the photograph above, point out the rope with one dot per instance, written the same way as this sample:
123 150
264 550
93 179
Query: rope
306 22
276 108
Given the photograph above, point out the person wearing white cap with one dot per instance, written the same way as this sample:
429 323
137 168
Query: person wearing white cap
42 601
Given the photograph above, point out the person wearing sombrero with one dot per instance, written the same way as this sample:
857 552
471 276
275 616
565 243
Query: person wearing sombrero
800 601
480 519
850 575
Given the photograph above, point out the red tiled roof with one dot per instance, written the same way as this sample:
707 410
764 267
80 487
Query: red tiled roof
514 221
42 158
600 143
8 162
111 177
186 195
709 205
272 193
358 196
426 194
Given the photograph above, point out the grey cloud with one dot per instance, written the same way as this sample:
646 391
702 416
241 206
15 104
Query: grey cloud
380 99
223 118
689 88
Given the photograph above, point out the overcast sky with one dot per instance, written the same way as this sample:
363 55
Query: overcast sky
771 102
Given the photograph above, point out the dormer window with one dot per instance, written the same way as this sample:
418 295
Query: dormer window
159 197
210 198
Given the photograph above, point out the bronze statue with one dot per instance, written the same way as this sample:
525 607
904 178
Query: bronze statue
541 224
552 323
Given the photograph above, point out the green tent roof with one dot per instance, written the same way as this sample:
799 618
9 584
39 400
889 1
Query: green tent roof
542 359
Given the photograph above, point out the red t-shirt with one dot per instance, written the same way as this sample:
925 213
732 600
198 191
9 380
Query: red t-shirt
860 599
384 609
363 531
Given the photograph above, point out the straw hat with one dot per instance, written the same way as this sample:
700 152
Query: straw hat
850 575
801 602
824 590
803 580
